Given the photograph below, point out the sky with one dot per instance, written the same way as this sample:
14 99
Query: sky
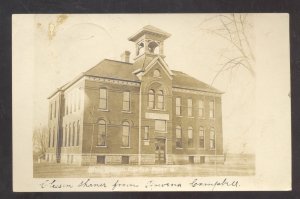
66 45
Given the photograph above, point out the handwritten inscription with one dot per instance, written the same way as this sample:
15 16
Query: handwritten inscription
116 185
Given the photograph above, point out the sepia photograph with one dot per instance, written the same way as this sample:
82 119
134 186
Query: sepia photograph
152 102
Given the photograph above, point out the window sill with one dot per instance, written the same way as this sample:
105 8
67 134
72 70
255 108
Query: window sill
104 110
179 148
212 149
160 131
191 117
179 116
98 146
126 111
125 147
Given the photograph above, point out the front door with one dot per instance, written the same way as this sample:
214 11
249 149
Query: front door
160 151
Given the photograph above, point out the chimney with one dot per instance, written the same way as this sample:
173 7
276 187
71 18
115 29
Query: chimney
125 56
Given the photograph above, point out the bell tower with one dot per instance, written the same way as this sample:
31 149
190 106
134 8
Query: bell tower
149 41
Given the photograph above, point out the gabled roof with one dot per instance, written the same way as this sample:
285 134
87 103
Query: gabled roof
183 80
125 71
113 69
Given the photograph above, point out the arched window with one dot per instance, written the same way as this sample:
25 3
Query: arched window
156 73
212 139
160 100
178 137
201 137
125 134
140 48
190 137
73 135
151 99
77 135
152 46
101 133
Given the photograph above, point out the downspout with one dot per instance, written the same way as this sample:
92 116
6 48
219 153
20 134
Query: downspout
140 125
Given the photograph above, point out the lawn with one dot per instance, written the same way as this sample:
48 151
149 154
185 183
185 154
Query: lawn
234 166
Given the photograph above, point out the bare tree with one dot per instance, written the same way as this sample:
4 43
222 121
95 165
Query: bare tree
40 140
236 30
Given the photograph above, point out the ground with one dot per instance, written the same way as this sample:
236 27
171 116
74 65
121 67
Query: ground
235 165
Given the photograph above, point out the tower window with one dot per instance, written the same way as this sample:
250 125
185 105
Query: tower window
160 100
151 99
178 106
156 73
152 47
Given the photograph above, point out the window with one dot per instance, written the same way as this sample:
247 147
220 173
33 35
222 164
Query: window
211 109
50 111
201 108
66 135
69 135
212 139
178 137
77 135
156 73
49 144
103 99
201 137
178 106
101 133
66 104
75 100
151 98
190 108
54 109
146 135
79 98
53 136
126 101
70 102
125 134
73 135
160 100
190 137
160 125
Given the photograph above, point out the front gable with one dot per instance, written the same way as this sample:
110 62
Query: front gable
158 64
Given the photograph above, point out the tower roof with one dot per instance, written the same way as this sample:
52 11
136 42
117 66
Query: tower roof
149 29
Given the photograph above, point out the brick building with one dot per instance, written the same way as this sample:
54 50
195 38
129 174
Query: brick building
135 113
